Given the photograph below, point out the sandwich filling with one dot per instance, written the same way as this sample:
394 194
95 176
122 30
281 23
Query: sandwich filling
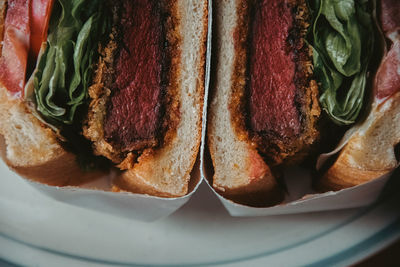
129 96
304 56
99 72
282 102
343 41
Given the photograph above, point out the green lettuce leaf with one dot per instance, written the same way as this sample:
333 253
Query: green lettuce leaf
343 43
65 68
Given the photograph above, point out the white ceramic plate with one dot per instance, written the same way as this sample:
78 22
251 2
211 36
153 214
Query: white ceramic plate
36 230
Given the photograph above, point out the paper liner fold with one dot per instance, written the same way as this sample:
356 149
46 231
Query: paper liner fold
96 196
358 196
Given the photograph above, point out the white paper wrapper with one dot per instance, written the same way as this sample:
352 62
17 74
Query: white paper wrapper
96 195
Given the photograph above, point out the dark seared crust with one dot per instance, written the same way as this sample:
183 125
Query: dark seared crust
278 150
100 92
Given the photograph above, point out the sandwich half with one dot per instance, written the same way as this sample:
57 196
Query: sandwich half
285 72
117 83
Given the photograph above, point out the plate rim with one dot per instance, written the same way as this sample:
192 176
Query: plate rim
373 244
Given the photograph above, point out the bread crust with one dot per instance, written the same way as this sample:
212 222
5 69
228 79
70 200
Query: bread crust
343 175
370 152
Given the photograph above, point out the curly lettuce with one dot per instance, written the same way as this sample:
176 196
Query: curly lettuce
64 70
343 44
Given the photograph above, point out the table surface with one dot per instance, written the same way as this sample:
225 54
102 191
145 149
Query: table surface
388 257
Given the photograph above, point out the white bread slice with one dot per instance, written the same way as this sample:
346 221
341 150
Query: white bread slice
166 171
370 152
32 149
239 171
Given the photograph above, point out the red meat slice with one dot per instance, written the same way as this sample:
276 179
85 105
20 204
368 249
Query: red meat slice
134 112
272 72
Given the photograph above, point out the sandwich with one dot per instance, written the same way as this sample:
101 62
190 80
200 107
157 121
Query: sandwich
290 77
87 85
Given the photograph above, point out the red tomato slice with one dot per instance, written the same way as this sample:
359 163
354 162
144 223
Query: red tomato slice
25 29
40 18
14 56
